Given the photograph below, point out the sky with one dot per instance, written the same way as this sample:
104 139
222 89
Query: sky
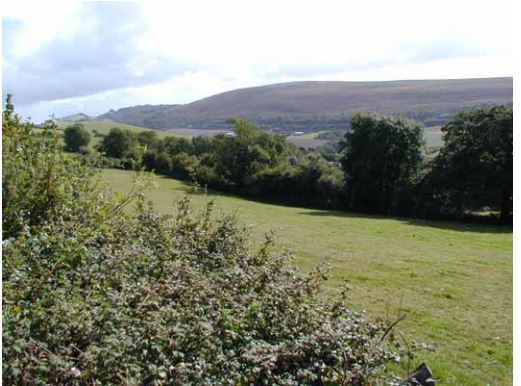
66 57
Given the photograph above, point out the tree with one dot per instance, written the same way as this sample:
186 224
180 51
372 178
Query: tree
75 137
117 143
381 158
474 168
238 158
147 138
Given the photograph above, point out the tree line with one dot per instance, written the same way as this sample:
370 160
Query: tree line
383 166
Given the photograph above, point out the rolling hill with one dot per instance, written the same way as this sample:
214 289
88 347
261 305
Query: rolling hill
317 105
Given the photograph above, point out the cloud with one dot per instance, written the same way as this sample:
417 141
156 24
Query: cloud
407 52
440 48
102 53
94 56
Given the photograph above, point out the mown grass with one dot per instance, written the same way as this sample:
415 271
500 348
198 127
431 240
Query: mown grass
452 280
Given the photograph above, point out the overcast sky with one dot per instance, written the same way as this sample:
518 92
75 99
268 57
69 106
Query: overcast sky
64 58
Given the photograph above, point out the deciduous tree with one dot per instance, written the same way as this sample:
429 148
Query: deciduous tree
473 170
75 137
381 158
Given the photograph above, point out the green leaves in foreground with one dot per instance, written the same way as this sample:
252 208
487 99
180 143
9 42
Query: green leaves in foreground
94 295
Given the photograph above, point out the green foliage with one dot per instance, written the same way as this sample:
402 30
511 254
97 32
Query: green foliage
118 143
76 137
238 158
39 181
147 138
250 162
474 169
381 160
93 294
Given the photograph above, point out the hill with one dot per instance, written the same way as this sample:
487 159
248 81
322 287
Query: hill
316 105
79 117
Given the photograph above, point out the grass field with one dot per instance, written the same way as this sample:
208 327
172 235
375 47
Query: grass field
308 140
452 280
103 126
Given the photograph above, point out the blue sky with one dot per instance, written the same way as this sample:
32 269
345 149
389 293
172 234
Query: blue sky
62 58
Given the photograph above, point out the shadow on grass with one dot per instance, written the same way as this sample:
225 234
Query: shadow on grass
470 224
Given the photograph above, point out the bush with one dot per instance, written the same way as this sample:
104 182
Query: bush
40 183
94 294
118 143
76 137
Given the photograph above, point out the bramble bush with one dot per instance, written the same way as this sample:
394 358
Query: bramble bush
94 294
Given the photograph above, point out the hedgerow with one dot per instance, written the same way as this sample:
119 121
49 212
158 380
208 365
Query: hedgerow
94 294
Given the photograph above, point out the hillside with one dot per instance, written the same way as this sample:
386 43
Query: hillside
313 105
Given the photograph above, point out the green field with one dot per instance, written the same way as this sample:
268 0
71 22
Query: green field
452 280
103 126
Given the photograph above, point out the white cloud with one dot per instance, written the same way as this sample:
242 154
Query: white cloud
149 53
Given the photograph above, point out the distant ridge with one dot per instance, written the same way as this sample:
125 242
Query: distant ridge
79 117
311 105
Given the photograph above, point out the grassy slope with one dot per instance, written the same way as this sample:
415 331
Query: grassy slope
454 281
103 126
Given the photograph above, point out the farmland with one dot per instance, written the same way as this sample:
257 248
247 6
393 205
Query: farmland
307 140
103 126
453 281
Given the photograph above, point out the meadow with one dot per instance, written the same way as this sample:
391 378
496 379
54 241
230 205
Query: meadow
452 281
103 126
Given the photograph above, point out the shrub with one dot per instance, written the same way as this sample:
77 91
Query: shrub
76 137
118 143
93 294
40 183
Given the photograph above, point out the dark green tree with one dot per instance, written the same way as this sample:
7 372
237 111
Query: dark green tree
473 170
118 143
239 158
381 158
147 138
75 137
176 145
